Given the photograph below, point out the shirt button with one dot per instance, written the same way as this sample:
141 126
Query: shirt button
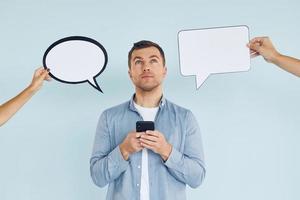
138 185
139 166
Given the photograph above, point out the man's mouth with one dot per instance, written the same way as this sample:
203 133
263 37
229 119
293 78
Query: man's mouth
147 76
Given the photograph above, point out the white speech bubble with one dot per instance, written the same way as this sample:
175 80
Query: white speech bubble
76 59
213 50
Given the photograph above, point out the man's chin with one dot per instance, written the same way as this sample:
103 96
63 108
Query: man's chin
148 88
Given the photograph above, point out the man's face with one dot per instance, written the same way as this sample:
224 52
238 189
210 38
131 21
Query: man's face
147 70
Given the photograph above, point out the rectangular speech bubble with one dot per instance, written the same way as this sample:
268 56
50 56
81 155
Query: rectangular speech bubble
213 50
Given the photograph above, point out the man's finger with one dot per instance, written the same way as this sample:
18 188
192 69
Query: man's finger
147 146
138 134
153 133
138 145
148 142
149 137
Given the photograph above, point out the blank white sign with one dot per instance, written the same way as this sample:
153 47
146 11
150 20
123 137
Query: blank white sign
213 50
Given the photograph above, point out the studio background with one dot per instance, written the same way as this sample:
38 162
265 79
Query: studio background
250 121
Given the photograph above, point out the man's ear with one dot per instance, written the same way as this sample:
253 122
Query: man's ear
129 73
165 70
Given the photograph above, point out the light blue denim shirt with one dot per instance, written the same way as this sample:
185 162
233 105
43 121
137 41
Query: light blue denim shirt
167 180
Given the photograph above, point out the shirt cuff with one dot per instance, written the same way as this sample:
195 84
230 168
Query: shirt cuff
175 159
117 158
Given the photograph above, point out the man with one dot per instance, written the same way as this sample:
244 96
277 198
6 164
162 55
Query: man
264 47
153 164
8 109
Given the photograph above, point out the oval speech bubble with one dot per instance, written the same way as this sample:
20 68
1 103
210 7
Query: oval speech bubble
75 60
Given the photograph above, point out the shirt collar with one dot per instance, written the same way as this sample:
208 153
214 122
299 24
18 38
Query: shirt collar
132 107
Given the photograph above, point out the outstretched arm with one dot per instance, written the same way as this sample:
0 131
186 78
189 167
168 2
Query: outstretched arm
8 109
264 47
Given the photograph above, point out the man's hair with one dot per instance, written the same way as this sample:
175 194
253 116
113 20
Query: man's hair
145 44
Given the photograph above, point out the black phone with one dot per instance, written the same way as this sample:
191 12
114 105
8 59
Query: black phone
142 126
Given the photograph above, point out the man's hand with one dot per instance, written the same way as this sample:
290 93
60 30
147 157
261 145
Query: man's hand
39 76
130 145
264 47
156 141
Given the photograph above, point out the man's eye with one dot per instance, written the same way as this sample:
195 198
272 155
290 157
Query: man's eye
138 62
153 61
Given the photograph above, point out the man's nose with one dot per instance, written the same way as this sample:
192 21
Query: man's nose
146 68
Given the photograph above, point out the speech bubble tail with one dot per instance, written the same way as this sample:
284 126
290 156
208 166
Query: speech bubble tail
93 82
200 79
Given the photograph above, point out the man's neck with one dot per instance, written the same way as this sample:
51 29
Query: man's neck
148 99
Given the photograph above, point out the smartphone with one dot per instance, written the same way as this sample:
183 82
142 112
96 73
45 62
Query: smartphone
142 126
